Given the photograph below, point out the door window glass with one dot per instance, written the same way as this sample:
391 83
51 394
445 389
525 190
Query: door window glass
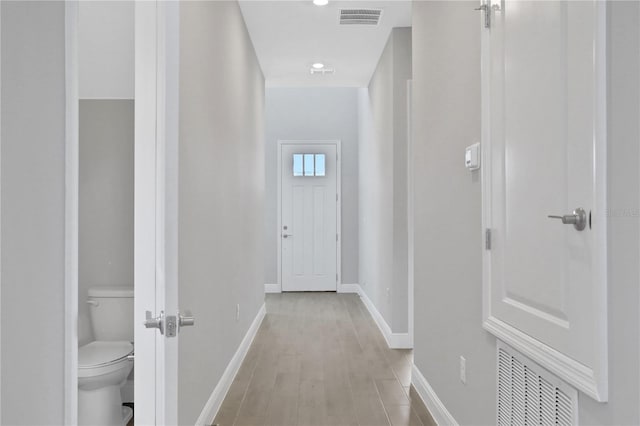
297 164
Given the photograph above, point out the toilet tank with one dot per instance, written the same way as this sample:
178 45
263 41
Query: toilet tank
111 311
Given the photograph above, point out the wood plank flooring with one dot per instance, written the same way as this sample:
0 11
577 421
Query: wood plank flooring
320 360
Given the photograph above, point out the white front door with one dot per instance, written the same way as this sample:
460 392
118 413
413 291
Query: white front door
309 211
543 140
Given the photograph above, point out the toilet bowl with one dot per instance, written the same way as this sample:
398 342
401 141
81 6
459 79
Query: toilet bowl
105 363
103 367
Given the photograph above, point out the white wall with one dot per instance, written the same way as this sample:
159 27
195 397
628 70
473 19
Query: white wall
382 124
313 114
106 49
33 203
221 194
448 281
106 200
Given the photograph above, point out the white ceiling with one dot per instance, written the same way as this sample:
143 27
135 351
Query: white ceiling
291 35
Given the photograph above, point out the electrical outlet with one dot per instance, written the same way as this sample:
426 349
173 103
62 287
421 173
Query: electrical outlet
388 292
238 312
463 370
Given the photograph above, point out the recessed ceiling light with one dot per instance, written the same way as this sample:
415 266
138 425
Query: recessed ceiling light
318 65
320 2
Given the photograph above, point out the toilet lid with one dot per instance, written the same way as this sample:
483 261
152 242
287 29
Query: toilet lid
99 353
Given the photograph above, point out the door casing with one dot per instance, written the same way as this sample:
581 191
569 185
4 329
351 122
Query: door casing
72 213
338 144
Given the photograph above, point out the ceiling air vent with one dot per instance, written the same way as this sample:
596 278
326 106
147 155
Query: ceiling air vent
360 16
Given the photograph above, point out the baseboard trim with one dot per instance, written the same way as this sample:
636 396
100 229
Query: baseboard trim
272 288
349 288
212 406
394 340
436 408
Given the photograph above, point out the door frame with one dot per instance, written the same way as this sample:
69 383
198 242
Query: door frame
592 380
410 213
338 144
72 213
155 211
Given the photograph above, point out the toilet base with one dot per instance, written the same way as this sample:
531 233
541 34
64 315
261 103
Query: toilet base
101 407
127 414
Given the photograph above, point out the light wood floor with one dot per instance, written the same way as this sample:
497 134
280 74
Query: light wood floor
319 359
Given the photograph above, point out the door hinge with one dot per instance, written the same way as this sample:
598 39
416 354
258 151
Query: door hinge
336 197
336 277
488 10
487 239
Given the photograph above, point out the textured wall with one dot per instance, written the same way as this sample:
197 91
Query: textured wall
33 212
382 127
221 193
106 200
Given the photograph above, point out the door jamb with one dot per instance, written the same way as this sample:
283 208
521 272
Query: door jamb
410 213
72 220
338 144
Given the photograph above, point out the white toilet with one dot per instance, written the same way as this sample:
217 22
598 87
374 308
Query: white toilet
105 364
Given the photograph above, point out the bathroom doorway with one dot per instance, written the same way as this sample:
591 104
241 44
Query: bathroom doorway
99 41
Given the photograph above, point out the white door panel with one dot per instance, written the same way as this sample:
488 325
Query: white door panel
156 143
540 134
309 221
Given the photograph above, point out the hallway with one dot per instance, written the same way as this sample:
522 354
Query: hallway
319 359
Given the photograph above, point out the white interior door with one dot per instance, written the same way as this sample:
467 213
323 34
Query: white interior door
543 135
308 226
156 196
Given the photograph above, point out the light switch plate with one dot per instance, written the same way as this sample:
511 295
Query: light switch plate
472 157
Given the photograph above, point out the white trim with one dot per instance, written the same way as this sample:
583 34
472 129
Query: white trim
148 411
600 219
210 410
342 288
410 217
71 214
272 288
394 340
349 288
338 144
556 362
1 209
592 380
105 98
436 408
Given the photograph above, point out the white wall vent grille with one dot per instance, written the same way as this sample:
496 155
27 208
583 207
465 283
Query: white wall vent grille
529 395
360 16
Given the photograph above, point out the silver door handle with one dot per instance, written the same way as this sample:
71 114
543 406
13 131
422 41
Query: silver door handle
578 219
157 322
186 320
287 235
